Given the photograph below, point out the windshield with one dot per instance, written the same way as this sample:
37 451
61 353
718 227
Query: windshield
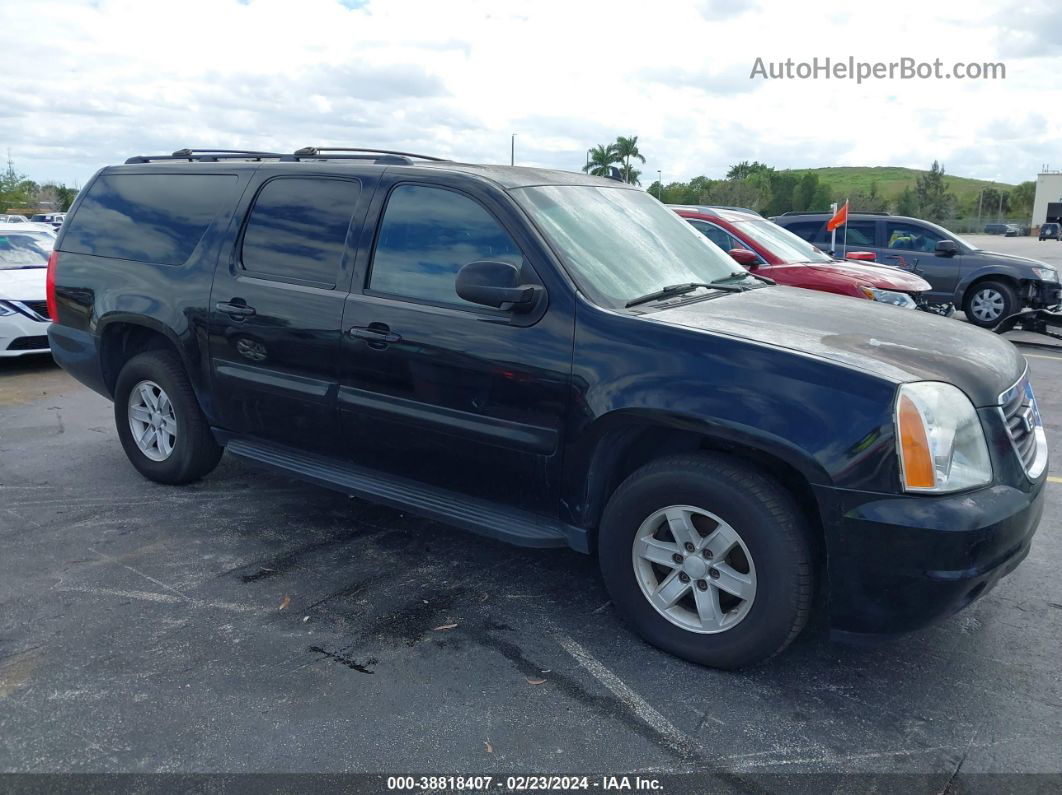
25 250
781 242
619 244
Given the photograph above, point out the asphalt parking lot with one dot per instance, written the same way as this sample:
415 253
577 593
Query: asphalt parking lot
251 623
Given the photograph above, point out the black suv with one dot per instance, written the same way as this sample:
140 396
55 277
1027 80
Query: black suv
986 285
552 359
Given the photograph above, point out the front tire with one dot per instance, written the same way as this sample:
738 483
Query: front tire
987 303
161 427
708 558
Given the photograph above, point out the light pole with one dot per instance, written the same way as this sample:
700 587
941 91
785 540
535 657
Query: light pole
512 151
660 186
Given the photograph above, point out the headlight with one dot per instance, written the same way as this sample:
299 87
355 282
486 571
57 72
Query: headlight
939 436
6 309
1046 274
888 296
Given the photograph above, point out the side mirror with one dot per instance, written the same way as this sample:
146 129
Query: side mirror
742 256
946 248
495 284
861 256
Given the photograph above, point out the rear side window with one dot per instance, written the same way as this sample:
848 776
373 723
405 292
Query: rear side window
806 229
427 236
860 233
157 218
298 228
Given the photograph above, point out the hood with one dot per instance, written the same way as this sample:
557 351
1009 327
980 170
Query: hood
1014 260
27 284
883 277
896 344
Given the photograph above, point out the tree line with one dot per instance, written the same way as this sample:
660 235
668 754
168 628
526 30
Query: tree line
772 192
17 192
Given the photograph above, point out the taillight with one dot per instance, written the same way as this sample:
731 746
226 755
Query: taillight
53 309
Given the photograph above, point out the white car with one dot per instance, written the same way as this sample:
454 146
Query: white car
24 252
54 220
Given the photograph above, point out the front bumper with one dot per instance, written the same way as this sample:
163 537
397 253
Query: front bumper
21 335
1042 294
900 562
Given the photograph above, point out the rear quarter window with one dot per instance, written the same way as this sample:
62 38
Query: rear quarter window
156 218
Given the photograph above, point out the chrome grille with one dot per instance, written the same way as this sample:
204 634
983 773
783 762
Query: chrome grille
1024 425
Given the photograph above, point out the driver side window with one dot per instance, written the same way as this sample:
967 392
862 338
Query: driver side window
716 235
911 237
427 235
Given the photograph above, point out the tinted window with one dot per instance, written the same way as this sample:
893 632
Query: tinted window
806 229
298 228
716 235
860 233
156 218
427 235
911 237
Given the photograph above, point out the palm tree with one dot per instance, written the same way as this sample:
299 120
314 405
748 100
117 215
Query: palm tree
630 174
602 158
626 149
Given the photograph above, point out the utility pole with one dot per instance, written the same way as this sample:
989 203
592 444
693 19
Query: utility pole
512 151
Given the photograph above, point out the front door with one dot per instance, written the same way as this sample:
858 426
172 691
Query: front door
443 391
275 312
912 247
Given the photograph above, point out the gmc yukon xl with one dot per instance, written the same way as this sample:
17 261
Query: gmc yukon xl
552 359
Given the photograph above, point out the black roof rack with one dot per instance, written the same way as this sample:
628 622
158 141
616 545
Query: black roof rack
206 155
827 212
377 156
360 153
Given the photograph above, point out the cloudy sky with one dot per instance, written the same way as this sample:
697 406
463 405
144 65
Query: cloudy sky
89 83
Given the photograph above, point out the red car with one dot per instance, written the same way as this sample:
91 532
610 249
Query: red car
769 250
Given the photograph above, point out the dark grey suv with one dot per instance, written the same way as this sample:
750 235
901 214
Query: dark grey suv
987 286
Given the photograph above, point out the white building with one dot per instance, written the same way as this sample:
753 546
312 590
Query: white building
1047 206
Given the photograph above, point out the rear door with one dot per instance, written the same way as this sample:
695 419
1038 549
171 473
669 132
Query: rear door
443 391
276 306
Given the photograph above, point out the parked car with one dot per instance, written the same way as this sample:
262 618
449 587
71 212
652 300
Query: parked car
553 359
988 286
1050 231
24 315
55 220
769 250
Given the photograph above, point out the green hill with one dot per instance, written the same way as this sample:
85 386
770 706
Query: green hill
891 180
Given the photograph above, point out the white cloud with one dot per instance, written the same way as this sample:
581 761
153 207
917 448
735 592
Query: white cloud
90 83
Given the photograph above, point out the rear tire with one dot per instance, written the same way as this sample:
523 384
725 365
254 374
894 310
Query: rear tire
161 427
740 606
987 303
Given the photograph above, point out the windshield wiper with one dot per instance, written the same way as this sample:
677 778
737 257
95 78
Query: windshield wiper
679 289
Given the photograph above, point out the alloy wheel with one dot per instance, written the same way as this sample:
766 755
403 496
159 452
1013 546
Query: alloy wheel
152 420
694 569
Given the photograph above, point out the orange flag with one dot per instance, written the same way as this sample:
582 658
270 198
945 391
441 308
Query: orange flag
840 218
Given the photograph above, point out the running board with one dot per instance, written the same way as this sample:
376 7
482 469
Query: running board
487 518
